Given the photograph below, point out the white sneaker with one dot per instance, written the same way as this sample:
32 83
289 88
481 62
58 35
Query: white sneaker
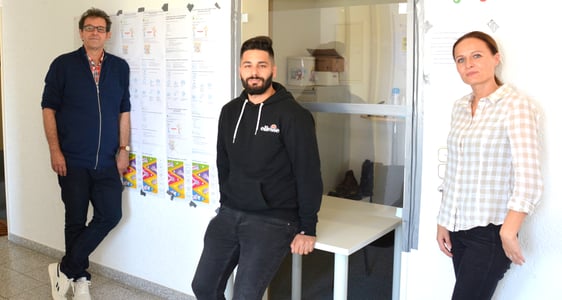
59 282
81 288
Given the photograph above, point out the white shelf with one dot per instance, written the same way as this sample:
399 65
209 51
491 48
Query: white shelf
385 110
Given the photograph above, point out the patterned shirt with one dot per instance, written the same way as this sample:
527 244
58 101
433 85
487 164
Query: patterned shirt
96 68
493 161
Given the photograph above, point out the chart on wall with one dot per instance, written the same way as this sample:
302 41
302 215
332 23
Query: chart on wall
180 61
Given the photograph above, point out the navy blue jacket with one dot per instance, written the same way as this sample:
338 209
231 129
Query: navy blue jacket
268 160
87 116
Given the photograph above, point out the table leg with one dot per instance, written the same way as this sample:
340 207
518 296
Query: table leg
296 280
341 264
397 263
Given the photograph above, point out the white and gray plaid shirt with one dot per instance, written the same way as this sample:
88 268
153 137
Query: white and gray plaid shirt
493 160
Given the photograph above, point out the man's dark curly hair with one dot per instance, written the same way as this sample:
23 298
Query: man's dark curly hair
95 13
258 43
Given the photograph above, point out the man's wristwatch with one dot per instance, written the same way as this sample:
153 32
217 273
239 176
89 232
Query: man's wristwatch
126 148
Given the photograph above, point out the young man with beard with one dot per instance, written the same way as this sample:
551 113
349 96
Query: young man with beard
270 183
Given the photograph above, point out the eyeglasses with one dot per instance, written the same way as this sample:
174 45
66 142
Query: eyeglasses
91 28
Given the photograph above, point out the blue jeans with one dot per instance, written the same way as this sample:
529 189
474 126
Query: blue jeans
79 187
479 262
257 244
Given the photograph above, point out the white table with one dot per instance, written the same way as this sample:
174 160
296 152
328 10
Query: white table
344 227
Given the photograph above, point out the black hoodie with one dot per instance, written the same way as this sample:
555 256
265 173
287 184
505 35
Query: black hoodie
267 159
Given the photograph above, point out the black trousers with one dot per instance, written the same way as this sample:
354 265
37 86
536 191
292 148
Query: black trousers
254 243
103 188
479 262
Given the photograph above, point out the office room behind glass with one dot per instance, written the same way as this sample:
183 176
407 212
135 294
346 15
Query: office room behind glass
349 95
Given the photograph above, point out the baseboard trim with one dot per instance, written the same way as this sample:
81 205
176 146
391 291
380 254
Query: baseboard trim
124 278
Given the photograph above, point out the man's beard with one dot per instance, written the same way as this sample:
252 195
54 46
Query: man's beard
257 90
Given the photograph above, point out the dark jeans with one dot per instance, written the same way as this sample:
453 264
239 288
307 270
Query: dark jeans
257 244
79 187
479 262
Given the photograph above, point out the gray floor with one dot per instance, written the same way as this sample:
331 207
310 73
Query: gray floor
23 275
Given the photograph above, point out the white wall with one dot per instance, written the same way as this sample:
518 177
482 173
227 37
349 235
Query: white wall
257 18
159 241
530 50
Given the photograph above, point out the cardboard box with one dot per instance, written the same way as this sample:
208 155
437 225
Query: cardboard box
327 78
327 60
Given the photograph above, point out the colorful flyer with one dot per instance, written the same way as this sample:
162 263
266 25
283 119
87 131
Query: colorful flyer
176 178
130 176
149 174
200 182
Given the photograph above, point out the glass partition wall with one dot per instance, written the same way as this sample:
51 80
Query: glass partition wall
346 62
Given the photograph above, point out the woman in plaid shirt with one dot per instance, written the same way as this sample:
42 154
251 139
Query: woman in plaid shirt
493 177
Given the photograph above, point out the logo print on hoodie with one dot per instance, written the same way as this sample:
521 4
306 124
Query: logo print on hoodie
273 128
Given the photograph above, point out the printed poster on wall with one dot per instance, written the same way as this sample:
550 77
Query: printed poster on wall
130 176
149 174
176 179
200 182
180 63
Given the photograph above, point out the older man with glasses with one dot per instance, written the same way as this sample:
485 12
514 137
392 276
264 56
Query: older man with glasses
86 115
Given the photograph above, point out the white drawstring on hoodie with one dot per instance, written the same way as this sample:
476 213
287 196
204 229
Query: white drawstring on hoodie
240 118
258 121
